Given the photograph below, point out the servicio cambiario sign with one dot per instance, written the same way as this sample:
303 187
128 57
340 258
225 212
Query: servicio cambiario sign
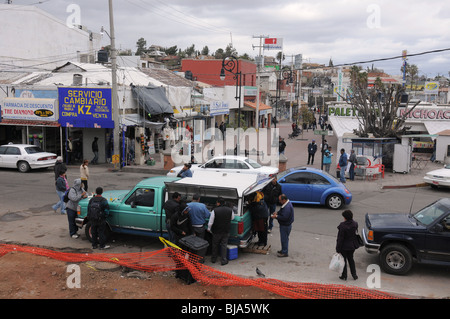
85 107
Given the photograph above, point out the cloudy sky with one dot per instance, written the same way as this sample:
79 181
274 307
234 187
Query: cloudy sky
347 31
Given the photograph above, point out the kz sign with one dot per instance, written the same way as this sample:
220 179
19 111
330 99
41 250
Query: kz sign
85 107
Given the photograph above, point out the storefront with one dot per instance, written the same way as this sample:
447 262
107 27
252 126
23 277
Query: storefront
31 121
85 113
424 122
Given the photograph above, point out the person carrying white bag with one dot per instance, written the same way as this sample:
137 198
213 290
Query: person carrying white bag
337 263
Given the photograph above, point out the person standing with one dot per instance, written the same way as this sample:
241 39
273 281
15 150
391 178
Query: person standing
352 160
61 187
327 155
198 214
84 174
271 192
95 151
346 243
219 225
171 207
98 210
59 167
281 145
285 217
69 150
312 149
76 193
259 213
343 162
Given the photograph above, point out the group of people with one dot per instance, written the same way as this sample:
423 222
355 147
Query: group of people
344 161
183 219
68 198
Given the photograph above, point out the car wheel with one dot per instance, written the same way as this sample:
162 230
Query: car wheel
23 167
396 259
335 201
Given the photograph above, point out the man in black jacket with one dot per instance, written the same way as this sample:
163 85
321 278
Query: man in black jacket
171 207
219 225
271 192
312 149
180 223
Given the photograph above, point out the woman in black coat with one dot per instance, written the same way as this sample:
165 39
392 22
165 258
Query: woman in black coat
346 243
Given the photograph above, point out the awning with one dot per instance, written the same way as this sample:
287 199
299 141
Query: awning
29 123
153 99
342 125
434 127
262 106
137 120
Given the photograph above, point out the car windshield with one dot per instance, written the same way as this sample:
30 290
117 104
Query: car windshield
33 150
429 214
253 163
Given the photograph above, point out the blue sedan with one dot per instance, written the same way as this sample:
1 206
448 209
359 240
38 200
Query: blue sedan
307 185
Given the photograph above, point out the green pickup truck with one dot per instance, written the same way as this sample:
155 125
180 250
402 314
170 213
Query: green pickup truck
140 212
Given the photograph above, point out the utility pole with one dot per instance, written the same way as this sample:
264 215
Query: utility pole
115 107
259 64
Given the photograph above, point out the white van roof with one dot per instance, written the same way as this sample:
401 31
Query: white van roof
242 184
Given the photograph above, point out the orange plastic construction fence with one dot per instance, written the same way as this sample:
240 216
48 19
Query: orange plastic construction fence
173 258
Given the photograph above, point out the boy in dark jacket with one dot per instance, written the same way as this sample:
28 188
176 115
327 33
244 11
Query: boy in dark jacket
98 219
180 224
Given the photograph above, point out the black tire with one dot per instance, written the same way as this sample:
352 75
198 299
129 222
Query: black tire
396 259
23 166
335 201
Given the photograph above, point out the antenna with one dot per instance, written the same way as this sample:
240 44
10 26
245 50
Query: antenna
412 202
231 38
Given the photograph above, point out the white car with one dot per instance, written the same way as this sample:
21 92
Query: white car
230 164
25 157
438 177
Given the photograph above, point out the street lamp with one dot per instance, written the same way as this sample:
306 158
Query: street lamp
231 64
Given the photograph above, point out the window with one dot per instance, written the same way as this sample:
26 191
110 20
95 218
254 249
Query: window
218 163
318 180
33 150
142 197
2 149
297 178
12 151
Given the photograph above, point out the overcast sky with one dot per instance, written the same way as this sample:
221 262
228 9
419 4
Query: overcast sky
347 31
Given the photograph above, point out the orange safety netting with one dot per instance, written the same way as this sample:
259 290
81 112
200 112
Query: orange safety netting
174 258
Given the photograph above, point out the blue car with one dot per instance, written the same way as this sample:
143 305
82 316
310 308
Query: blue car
307 185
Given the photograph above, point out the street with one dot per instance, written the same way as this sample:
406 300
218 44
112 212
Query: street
26 217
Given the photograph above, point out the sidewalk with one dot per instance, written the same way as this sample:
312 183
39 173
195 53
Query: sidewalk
297 155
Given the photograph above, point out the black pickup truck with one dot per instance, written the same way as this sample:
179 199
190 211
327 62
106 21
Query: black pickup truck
401 239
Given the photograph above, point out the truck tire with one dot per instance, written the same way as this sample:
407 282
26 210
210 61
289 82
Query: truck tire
88 233
396 259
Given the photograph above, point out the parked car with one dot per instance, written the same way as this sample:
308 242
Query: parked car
139 211
438 177
25 157
401 239
230 164
307 185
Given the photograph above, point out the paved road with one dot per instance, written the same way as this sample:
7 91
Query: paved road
26 217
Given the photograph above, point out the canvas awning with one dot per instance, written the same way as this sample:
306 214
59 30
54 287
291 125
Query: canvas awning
153 99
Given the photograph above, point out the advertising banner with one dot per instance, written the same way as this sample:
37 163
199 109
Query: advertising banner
85 107
219 108
29 109
273 44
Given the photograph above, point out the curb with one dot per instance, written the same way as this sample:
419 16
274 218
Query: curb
405 186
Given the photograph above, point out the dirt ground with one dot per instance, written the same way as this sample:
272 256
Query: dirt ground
27 276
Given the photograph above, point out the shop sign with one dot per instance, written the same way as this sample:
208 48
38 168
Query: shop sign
29 109
85 107
342 111
219 108
427 114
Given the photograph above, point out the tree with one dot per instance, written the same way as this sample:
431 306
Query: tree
205 50
141 45
412 71
171 51
377 107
